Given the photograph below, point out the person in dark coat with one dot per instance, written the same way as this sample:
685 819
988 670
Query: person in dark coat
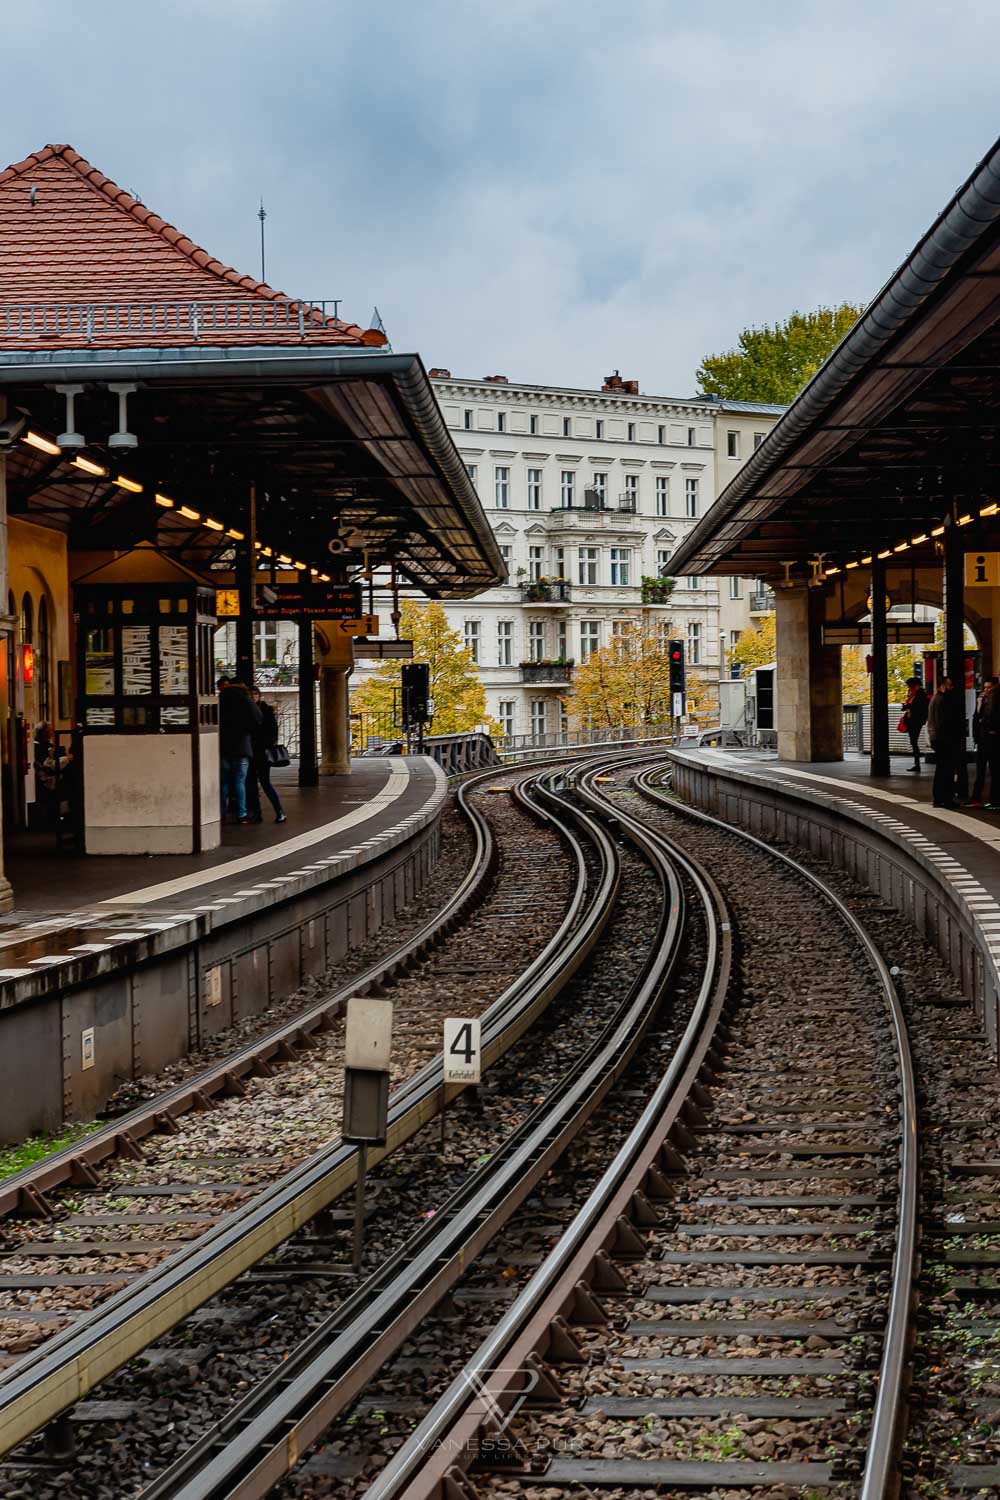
915 713
265 738
946 731
239 720
982 738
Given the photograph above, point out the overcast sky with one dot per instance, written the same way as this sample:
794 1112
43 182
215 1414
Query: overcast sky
546 189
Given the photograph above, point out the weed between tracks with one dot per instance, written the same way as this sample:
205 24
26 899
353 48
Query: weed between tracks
37 1147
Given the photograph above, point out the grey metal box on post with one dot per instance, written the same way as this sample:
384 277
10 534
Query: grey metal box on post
367 1047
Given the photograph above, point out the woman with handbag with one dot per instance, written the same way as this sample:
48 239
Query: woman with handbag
914 716
266 753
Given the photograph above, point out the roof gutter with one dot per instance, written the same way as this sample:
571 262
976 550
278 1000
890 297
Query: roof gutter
972 212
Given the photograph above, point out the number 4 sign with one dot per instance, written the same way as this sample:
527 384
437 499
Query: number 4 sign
462 1061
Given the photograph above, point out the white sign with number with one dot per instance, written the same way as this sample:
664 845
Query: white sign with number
462 1058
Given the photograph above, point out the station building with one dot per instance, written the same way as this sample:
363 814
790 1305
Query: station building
170 428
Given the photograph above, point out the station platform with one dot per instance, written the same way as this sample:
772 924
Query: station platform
330 828
939 867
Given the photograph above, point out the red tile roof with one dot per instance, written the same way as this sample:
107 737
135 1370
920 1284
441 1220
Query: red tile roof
71 239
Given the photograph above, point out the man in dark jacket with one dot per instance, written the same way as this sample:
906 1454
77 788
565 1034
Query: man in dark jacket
946 732
239 719
259 779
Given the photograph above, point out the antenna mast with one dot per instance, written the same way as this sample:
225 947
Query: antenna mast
262 215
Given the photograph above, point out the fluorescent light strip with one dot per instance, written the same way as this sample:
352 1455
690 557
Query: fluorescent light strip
188 513
214 525
164 500
124 483
34 440
88 466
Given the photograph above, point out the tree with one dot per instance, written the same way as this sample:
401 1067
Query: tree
626 683
773 363
756 646
455 687
855 683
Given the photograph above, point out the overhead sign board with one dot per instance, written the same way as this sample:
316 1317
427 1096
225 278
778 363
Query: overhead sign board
897 632
307 600
982 570
383 650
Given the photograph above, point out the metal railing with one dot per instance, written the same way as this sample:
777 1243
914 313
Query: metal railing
519 744
761 602
546 671
199 319
546 591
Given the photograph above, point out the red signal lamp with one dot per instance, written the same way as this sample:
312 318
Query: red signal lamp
27 665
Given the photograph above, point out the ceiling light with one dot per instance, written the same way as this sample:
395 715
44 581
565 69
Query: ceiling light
324 578
44 444
128 484
283 559
830 571
938 531
164 500
188 513
265 551
867 559
851 565
901 547
916 540
88 466
300 566
214 525
964 520
886 553
238 536
314 572
990 510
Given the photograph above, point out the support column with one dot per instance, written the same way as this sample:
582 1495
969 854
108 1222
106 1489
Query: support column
246 563
6 892
308 769
879 685
334 714
810 713
954 604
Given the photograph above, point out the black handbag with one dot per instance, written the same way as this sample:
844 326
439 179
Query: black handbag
277 755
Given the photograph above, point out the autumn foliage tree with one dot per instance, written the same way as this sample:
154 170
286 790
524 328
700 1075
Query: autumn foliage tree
627 683
757 647
455 686
774 362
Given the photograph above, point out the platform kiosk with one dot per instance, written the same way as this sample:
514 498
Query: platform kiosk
147 707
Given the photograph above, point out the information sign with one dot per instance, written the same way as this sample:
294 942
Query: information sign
462 1051
309 600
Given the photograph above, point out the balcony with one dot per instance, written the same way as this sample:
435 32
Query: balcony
761 602
545 591
547 673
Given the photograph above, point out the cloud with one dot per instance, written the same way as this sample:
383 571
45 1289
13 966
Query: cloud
547 189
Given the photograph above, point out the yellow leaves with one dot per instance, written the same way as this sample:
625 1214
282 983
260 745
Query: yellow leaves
458 694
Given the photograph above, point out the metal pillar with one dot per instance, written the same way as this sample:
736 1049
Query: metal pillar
308 768
954 630
245 567
954 605
879 688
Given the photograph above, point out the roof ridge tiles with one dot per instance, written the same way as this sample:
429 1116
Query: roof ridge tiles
181 242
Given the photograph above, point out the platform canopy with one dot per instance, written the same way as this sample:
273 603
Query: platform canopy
898 429
235 385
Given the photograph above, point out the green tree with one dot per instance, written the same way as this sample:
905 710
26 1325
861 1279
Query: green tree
773 363
455 687
626 683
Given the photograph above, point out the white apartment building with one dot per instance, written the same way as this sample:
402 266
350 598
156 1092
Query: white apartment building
589 494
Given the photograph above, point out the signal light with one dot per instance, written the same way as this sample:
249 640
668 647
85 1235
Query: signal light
675 657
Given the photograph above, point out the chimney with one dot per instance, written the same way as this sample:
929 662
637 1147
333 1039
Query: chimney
436 374
616 383
496 380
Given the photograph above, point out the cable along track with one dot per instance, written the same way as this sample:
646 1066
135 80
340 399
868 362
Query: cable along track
479 1435
43 1385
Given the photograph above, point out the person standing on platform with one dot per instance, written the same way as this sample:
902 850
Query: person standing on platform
264 740
946 731
915 713
981 737
989 716
239 720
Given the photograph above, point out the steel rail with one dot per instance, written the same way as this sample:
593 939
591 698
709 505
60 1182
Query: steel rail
24 1191
43 1385
881 1476
432 1460
262 1438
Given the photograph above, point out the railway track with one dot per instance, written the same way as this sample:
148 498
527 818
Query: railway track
757 1344
232 1226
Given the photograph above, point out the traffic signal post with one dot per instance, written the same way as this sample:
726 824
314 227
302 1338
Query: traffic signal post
678 683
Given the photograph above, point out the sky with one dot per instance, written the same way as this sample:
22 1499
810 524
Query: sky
545 189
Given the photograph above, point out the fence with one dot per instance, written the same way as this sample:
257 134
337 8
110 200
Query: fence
858 730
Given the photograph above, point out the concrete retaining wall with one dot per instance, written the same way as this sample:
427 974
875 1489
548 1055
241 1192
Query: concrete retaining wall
879 857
